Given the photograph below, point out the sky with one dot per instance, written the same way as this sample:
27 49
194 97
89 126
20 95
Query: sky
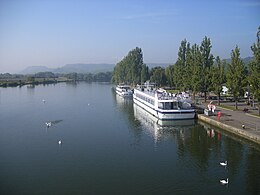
53 33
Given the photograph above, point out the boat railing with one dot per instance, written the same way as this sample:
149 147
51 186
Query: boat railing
170 97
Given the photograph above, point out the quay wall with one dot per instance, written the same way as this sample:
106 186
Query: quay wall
240 132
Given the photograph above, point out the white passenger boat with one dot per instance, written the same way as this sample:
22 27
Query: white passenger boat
162 104
124 90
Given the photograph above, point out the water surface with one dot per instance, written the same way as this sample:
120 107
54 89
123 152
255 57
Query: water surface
110 146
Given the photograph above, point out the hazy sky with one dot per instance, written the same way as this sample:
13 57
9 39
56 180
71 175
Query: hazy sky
57 32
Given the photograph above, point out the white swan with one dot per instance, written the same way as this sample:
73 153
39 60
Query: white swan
222 181
59 142
223 163
48 124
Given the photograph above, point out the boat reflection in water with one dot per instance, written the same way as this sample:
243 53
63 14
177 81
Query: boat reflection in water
123 100
159 129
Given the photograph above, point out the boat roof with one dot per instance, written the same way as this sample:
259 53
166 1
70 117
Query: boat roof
164 96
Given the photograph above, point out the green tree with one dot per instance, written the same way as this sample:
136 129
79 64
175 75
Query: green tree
207 63
144 73
158 76
30 79
119 73
181 72
218 77
102 77
169 72
236 75
45 75
195 61
73 76
129 69
88 77
254 70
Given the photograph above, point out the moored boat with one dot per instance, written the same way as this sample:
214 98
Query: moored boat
163 105
124 90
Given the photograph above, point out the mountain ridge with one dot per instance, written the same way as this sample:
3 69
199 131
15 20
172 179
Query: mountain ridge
95 68
80 68
69 68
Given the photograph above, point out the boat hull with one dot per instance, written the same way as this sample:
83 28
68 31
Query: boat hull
123 92
165 115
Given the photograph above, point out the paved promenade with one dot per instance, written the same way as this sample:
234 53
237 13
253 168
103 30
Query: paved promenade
238 122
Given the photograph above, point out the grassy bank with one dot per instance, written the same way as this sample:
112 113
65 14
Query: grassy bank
36 81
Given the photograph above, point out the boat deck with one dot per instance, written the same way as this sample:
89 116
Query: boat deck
164 95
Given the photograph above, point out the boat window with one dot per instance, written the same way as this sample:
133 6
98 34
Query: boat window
167 105
160 105
174 105
186 105
180 105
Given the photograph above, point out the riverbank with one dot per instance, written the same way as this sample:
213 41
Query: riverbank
36 81
238 122
9 80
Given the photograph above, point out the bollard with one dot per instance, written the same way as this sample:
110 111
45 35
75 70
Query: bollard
219 115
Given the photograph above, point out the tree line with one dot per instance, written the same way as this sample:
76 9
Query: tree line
12 80
196 69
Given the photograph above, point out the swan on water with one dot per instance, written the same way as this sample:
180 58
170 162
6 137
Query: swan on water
222 181
48 124
223 163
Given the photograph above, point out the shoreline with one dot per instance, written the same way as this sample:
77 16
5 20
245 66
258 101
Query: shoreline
249 135
235 122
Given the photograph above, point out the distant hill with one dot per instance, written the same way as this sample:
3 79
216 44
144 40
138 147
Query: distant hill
69 68
85 68
81 68
152 65
95 68
245 60
35 69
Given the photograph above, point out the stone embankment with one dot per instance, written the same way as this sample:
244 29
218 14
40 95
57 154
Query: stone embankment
244 124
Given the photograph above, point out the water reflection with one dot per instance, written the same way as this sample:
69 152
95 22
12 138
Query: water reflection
123 102
202 147
31 89
160 129
52 123
109 147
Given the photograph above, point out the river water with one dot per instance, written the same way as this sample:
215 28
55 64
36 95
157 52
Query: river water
110 146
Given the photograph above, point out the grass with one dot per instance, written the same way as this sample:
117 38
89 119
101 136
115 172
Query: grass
229 107
173 91
255 115
239 109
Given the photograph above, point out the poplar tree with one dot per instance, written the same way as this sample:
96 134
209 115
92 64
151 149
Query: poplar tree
207 63
158 76
218 77
236 75
128 70
169 72
195 61
180 69
144 73
254 70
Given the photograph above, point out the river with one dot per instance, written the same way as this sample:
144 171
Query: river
110 146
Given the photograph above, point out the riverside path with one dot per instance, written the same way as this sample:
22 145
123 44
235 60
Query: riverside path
245 124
